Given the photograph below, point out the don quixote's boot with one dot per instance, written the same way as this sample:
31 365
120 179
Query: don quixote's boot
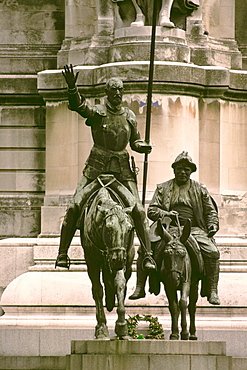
140 280
212 277
67 232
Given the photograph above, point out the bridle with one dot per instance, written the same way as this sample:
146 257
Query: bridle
174 247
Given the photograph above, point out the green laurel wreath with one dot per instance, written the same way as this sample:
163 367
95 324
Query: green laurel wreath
155 328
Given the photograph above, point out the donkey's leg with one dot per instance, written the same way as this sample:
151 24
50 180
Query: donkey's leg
183 303
121 324
192 309
165 13
174 311
101 330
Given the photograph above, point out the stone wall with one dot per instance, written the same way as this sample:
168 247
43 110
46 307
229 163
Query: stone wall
240 29
31 33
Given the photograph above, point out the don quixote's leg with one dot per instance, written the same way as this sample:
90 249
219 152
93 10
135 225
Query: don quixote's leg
120 285
183 303
101 330
192 309
174 311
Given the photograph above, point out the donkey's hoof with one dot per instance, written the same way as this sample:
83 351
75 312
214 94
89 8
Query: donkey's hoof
184 336
121 329
193 337
174 337
101 332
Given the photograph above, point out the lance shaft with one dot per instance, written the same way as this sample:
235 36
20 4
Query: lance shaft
149 99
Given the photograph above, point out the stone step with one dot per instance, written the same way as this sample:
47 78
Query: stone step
32 362
239 363
149 355
140 346
124 361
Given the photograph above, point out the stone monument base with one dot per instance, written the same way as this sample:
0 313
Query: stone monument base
125 355
149 354
133 43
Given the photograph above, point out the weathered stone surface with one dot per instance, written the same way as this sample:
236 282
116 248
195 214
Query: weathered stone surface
31 35
20 216
138 346
32 362
150 355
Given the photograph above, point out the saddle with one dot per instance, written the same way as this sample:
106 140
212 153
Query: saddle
118 191
191 245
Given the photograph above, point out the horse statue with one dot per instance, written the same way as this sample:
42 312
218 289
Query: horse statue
142 11
107 234
178 269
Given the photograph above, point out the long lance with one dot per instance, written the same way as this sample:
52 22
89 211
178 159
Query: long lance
149 99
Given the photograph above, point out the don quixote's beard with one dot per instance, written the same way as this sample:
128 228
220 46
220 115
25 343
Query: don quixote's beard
117 259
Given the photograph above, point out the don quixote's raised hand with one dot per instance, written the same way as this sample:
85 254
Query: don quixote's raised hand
70 76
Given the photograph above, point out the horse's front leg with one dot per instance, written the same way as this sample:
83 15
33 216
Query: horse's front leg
120 285
183 303
165 13
192 309
139 21
101 329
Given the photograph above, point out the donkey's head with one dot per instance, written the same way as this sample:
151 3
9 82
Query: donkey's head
174 253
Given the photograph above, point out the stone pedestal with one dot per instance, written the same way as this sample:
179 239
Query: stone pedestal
133 43
148 355
46 308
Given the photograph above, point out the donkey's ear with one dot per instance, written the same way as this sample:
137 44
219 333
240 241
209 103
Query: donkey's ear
186 231
163 232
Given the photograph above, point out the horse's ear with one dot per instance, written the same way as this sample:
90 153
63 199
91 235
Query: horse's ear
162 232
186 231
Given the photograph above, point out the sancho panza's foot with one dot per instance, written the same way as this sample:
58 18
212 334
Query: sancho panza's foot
138 293
63 260
149 263
213 298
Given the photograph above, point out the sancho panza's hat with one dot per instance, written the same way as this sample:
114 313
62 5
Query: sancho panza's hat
184 157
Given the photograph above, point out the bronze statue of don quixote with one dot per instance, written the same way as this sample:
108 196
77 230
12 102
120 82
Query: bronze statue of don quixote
177 250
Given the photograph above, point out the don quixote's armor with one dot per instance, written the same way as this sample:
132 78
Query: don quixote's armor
113 127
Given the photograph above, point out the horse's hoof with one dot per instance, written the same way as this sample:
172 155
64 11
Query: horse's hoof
174 337
185 336
192 337
125 337
102 338
101 332
165 22
139 22
121 329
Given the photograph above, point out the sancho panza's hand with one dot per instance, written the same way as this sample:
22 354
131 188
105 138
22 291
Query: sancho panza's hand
69 76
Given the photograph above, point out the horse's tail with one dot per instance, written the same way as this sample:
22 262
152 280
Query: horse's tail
110 292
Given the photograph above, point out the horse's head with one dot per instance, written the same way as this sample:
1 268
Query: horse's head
117 234
174 253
